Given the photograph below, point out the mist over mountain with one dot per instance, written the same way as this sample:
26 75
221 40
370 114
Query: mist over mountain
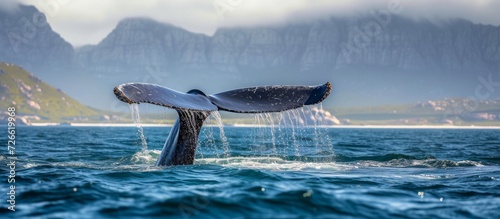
455 45
27 39
370 60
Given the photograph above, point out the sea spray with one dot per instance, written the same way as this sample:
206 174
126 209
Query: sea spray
258 135
207 140
269 118
134 111
315 118
281 134
278 134
296 119
225 144
264 134
292 126
326 140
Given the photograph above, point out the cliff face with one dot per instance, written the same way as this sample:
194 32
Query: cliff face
27 39
138 43
399 61
405 44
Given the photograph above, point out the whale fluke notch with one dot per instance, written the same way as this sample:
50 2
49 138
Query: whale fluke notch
194 107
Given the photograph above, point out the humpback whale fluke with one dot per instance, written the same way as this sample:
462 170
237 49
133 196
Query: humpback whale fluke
194 107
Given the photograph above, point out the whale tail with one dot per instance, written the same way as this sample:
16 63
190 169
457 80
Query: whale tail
194 107
180 146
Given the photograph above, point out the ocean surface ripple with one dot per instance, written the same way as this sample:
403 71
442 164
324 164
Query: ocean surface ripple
104 172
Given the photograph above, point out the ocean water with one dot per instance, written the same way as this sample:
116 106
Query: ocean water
107 172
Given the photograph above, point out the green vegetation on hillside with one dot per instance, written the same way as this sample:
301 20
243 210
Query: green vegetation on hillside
33 97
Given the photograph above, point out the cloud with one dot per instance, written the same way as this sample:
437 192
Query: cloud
89 21
264 12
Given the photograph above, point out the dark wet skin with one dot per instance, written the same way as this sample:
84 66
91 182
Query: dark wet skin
194 107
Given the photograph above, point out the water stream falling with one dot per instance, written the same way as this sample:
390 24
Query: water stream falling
134 111
294 117
293 134
326 140
290 134
269 118
222 135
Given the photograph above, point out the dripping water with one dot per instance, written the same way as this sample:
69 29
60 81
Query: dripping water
291 120
295 115
269 118
283 132
280 134
134 111
328 142
208 134
293 133
315 117
225 144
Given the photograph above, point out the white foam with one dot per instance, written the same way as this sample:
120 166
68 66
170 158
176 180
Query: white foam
61 164
433 176
145 156
428 163
272 163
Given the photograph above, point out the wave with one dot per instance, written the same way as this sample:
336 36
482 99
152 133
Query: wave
412 163
271 163
276 163
140 157
144 160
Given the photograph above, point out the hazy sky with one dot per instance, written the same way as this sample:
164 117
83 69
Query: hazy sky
88 21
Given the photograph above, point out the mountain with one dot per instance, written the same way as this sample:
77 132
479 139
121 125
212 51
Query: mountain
35 100
396 61
456 45
137 43
407 61
28 40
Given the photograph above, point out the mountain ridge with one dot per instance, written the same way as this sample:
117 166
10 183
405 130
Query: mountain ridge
27 39
283 42
407 61
457 51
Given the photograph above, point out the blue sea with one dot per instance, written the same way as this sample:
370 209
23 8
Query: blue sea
255 172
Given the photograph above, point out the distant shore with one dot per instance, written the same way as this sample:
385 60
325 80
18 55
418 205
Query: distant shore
262 126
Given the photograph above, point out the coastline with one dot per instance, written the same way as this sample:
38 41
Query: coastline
237 125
